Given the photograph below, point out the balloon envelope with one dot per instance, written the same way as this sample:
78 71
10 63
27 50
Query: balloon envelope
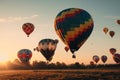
116 58
91 63
47 48
112 33
73 26
96 58
28 28
118 22
112 50
24 55
104 58
105 30
66 49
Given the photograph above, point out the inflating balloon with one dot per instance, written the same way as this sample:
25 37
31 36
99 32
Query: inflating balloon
105 30
112 51
28 28
104 58
116 58
112 33
47 48
24 55
73 26
96 58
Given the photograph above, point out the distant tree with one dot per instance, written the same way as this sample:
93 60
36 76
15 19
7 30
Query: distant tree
51 66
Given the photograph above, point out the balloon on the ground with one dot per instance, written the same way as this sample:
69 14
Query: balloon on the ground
96 58
104 58
73 26
47 48
24 55
28 28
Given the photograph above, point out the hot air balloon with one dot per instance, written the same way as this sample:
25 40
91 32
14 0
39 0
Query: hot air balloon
105 30
47 48
73 26
24 55
116 57
112 33
118 22
104 58
91 63
28 28
66 49
112 50
96 58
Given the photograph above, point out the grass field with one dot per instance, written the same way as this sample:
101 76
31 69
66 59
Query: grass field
83 74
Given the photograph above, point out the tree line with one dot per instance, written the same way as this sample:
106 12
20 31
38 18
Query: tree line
40 65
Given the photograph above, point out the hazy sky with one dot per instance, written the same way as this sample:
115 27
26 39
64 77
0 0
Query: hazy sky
14 13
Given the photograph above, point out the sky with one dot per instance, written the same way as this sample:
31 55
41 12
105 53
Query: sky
42 13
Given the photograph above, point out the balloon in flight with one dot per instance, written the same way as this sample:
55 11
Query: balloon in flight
28 28
73 26
112 50
96 58
104 58
111 33
118 22
105 30
91 63
47 48
116 58
24 55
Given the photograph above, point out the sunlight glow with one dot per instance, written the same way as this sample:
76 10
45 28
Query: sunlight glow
3 58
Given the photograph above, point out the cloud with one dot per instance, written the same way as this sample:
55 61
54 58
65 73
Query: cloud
18 18
112 17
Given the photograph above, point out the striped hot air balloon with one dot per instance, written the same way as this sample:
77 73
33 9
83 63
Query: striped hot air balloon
73 26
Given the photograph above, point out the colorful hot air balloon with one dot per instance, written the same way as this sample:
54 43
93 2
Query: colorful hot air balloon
91 63
104 58
47 48
66 49
73 26
28 28
116 58
105 30
96 58
112 50
118 22
112 33
24 55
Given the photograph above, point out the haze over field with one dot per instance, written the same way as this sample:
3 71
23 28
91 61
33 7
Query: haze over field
42 13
